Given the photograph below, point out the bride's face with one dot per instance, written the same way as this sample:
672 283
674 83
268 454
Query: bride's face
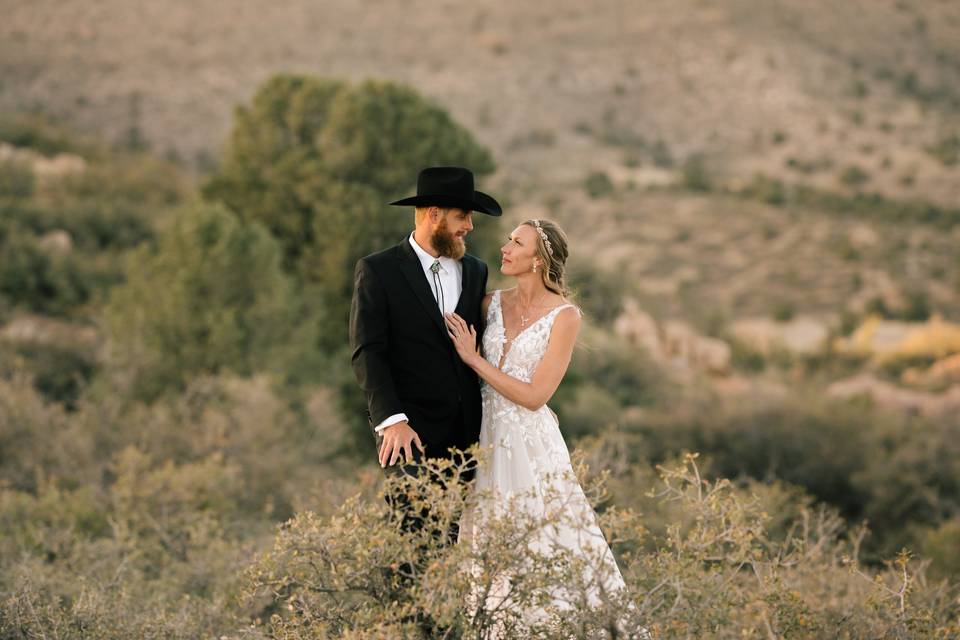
520 252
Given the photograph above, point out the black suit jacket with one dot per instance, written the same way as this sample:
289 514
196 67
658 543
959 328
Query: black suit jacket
402 356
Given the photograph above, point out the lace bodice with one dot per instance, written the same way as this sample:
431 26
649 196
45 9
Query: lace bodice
526 350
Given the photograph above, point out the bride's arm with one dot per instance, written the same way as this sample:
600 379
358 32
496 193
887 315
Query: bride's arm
530 395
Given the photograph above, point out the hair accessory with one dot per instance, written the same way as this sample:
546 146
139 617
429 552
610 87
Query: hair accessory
543 236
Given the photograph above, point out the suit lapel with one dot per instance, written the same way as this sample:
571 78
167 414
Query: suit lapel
466 287
413 271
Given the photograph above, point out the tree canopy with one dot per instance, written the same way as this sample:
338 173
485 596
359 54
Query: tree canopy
316 161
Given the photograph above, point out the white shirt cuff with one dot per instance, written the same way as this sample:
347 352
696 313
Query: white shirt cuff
394 419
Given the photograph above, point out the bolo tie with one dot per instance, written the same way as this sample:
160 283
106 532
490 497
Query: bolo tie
437 287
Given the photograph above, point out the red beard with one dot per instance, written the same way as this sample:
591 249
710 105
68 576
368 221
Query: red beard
446 243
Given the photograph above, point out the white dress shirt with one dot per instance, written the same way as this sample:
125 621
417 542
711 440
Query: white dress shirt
451 283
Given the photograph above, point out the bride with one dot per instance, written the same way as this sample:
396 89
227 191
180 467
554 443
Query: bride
529 338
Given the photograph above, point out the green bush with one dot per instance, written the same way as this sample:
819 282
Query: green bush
598 185
35 279
211 296
599 293
695 174
316 161
605 379
870 464
854 176
940 545
59 371
861 204
16 179
947 150
40 133
39 440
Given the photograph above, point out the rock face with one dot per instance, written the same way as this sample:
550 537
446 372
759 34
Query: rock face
802 334
888 340
943 371
43 330
889 396
57 241
675 343
43 167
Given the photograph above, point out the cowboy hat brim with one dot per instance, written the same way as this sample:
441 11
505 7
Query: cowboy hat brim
481 202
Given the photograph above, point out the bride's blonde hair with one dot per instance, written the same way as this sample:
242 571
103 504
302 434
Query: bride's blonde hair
552 251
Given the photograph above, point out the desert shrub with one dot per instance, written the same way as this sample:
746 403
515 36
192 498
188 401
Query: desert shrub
106 204
16 179
140 182
586 409
211 296
597 184
661 156
853 176
93 227
860 204
59 371
124 520
744 356
36 280
39 132
868 463
917 308
38 438
288 452
598 293
151 555
284 449
765 189
946 150
695 175
940 544
605 378
783 311
910 477
715 572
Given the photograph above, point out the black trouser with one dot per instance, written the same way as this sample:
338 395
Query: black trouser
414 519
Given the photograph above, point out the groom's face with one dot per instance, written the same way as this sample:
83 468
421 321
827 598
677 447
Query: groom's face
448 235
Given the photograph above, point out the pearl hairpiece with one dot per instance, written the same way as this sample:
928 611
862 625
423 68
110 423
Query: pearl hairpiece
543 236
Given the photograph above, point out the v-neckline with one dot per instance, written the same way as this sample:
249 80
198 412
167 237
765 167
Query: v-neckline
503 354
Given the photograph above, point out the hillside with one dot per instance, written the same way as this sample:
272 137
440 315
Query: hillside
801 90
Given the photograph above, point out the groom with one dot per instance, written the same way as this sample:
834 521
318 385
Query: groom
421 398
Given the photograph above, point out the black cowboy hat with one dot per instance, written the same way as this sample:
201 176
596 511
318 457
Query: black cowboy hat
450 187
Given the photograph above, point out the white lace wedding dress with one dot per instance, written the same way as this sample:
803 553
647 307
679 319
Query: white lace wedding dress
526 458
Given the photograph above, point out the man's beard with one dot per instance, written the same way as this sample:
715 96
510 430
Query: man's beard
446 243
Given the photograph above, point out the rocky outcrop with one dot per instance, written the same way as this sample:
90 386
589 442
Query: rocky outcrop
675 343
887 395
44 330
801 334
44 167
57 241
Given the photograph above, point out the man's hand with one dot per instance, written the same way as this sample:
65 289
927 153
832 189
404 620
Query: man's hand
398 439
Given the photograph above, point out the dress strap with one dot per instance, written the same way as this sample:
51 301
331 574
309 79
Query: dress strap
565 305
